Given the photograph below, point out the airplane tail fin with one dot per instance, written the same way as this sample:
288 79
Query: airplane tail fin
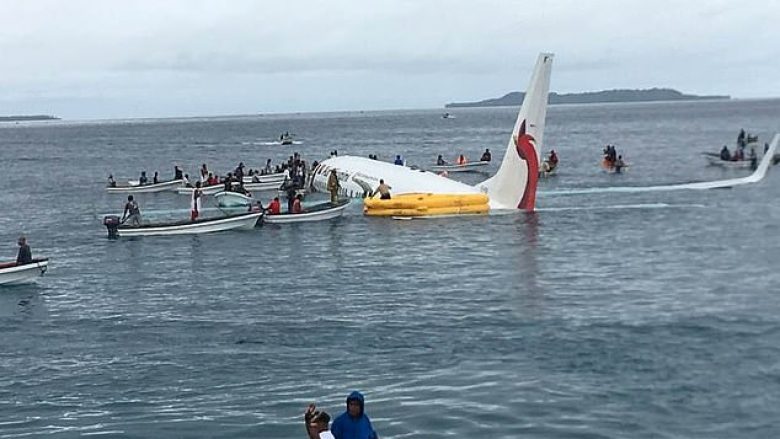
514 185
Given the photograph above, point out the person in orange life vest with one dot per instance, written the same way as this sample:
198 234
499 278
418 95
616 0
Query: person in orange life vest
275 207
296 205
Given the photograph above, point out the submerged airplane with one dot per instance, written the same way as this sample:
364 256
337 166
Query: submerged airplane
513 186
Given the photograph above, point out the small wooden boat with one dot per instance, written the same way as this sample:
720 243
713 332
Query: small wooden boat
241 221
134 187
12 274
713 159
260 187
317 212
206 190
232 199
267 178
466 167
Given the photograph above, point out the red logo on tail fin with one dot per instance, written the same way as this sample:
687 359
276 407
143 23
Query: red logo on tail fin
524 143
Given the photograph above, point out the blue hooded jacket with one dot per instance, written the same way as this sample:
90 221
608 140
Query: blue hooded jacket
347 427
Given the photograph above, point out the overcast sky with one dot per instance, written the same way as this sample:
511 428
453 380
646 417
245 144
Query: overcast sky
109 59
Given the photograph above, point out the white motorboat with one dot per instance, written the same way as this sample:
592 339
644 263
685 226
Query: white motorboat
466 167
713 159
317 212
134 187
260 187
206 190
232 199
241 221
267 178
13 274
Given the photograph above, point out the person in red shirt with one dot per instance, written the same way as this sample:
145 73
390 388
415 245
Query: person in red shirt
275 208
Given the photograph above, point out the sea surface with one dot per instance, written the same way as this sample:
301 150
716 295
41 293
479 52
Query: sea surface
641 315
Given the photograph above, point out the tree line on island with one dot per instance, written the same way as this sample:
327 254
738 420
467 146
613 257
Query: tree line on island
515 98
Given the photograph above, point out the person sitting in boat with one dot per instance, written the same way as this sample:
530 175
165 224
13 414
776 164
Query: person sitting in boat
333 186
142 180
486 156
275 207
228 182
25 254
156 178
440 161
724 153
111 181
619 164
132 212
462 160
398 160
317 423
187 180
553 159
383 190
739 154
297 207
177 173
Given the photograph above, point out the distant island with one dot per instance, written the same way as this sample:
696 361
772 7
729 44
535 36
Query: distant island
27 118
515 98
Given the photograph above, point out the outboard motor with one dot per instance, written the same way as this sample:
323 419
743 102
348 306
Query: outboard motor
112 224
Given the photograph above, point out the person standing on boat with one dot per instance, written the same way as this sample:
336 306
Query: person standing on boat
197 194
111 181
142 180
156 178
462 159
383 190
353 423
333 186
177 173
204 173
486 156
132 213
25 254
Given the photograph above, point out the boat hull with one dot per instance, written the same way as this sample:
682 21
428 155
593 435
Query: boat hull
268 178
206 190
730 164
232 199
468 167
21 274
315 213
245 221
147 188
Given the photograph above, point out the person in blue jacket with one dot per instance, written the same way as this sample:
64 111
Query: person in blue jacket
353 423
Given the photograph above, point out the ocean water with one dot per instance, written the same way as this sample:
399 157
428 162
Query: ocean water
640 315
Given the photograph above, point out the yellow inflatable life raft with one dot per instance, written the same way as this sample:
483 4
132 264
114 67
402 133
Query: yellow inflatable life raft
426 204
